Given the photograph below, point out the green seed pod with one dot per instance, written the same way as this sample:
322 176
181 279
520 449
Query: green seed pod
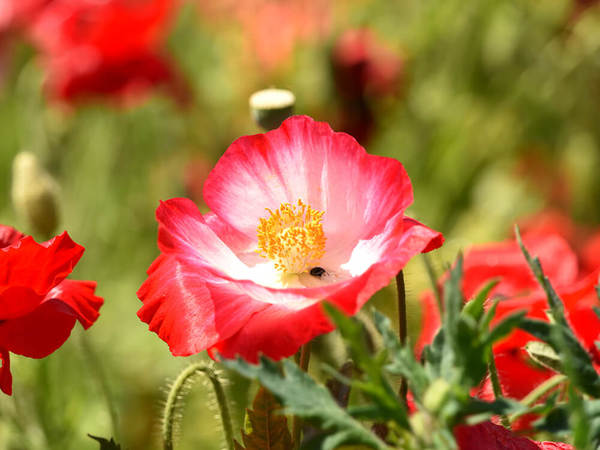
35 194
270 107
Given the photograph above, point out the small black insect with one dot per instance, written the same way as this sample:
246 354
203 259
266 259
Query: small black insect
317 272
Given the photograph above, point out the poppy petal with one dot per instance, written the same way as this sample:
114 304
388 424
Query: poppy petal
29 270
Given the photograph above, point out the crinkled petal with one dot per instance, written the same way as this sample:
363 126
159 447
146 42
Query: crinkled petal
9 236
193 308
79 295
279 330
276 332
490 436
40 332
306 160
29 270
5 375
183 230
186 311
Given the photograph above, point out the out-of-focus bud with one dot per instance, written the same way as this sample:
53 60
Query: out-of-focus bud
35 194
436 395
270 107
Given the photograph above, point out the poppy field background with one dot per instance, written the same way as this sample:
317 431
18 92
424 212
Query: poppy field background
492 108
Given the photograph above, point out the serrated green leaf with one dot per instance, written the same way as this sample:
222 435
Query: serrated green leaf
105 444
576 362
403 361
269 429
373 383
474 308
302 396
543 354
506 326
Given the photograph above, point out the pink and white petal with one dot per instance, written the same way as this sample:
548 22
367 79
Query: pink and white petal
189 309
279 330
40 332
79 295
37 268
306 160
183 230
276 332
350 293
5 375
400 240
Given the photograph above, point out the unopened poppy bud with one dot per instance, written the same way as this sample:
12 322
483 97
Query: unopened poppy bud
270 107
34 194
436 395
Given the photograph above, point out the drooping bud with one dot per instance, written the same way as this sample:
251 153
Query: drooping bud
270 107
35 194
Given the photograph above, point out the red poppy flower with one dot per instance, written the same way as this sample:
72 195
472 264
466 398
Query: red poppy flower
488 436
518 290
109 49
300 215
38 306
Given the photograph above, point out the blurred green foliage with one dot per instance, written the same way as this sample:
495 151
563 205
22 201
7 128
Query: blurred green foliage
497 117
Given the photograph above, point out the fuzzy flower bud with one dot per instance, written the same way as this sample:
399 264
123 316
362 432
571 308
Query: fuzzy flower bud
35 194
270 107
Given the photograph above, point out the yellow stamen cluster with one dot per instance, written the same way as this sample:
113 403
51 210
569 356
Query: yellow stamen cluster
292 237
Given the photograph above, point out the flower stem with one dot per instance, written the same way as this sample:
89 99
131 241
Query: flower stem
497 388
538 393
302 359
98 372
543 389
175 398
402 327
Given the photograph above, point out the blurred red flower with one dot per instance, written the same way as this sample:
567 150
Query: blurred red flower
488 436
363 69
300 215
518 290
585 240
110 49
364 66
273 28
38 305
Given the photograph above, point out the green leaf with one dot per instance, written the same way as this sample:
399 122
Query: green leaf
269 429
543 354
474 307
504 327
403 361
373 382
302 396
576 362
105 444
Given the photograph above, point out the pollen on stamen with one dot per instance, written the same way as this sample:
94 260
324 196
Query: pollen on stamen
292 237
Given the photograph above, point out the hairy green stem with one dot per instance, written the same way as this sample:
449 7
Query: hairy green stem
175 397
402 327
543 389
537 394
98 372
497 388
302 358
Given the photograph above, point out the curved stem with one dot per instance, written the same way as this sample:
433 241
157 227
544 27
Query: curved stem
303 359
538 393
175 398
402 327
98 372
